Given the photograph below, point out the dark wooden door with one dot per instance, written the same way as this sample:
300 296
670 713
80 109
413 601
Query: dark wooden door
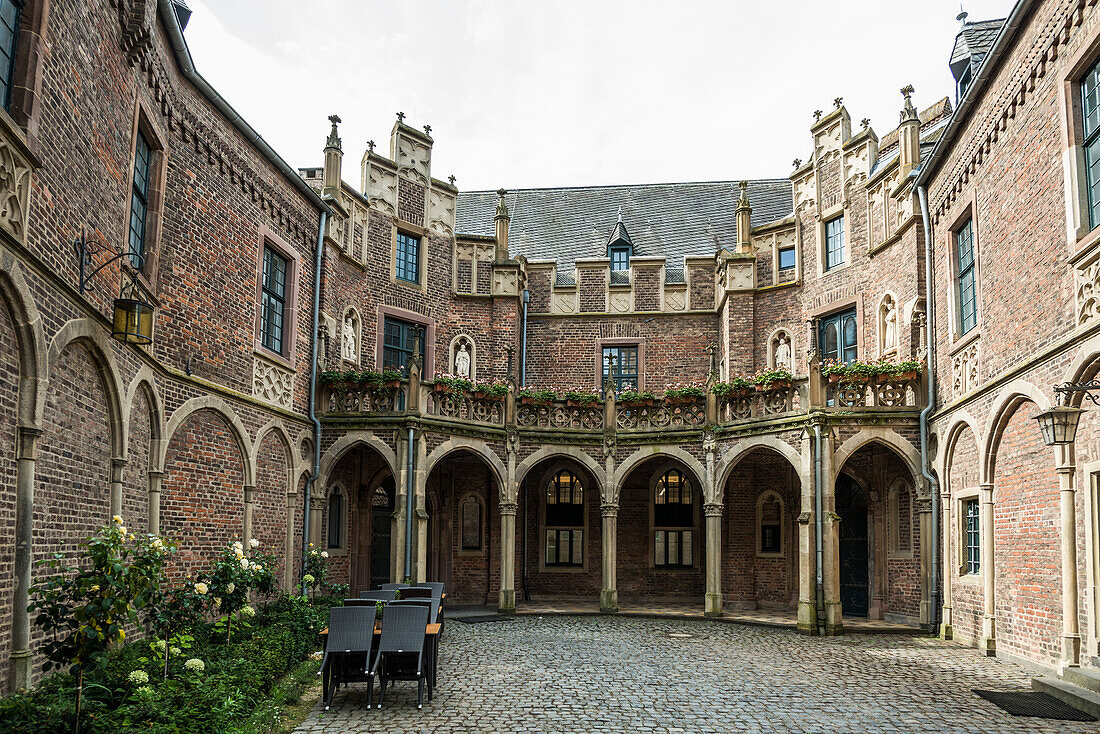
381 510
851 505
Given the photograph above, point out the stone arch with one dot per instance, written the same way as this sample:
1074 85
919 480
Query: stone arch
642 455
144 433
346 443
570 452
92 337
237 429
273 460
145 384
1084 362
27 323
741 449
1008 400
961 421
475 446
277 428
908 453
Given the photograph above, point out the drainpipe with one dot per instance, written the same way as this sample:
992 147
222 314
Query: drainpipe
523 343
318 261
930 305
409 506
818 529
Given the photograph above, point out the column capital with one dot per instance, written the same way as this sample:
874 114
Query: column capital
156 473
249 490
609 509
509 508
712 509
316 503
28 443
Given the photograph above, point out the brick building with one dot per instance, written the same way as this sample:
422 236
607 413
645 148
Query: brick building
812 498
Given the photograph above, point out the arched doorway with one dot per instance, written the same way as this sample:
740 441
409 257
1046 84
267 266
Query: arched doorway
380 530
855 555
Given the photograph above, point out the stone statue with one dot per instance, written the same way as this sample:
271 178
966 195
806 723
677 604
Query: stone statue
350 351
783 354
890 322
462 362
322 344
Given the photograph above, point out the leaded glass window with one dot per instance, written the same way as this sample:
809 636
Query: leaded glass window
10 10
564 503
399 340
408 258
1090 110
139 199
273 295
973 538
335 519
834 242
623 366
673 520
965 286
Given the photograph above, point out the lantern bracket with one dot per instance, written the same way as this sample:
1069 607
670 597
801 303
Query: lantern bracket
86 249
1089 390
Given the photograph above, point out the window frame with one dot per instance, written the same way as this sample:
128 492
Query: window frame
780 552
619 252
840 317
427 323
288 354
578 480
7 81
400 263
144 127
971 548
793 250
273 291
1082 237
601 363
463 549
405 327
825 244
667 528
962 273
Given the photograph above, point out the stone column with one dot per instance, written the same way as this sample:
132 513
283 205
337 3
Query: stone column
26 455
316 508
249 494
291 532
834 623
507 602
117 465
947 566
989 608
807 547
1071 633
878 542
609 595
156 482
924 525
712 511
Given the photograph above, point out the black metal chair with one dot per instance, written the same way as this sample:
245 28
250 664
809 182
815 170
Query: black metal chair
378 595
437 586
347 649
418 592
391 587
428 590
401 649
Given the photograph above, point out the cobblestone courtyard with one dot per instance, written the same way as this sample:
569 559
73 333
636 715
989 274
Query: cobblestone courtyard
620 674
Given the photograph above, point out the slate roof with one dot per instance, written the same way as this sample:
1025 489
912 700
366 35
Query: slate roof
668 220
975 40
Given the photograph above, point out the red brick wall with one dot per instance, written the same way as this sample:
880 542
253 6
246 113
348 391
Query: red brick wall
135 476
9 378
269 515
202 504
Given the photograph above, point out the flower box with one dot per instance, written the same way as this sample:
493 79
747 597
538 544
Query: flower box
581 403
636 403
775 385
392 384
482 395
526 400
688 400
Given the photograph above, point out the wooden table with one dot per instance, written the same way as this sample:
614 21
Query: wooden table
431 632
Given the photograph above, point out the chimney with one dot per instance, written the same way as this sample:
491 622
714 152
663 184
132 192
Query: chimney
334 155
908 135
503 220
744 220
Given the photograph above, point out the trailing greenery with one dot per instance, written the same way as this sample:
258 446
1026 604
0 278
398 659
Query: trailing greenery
582 397
538 396
860 369
736 384
684 392
495 389
370 378
635 396
768 377
453 384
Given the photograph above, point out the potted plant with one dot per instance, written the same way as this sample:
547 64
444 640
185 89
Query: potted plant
906 371
736 387
774 379
451 384
391 378
531 396
636 398
683 394
581 398
495 390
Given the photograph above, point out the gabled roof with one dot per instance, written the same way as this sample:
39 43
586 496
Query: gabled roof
669 220
619 235
974 41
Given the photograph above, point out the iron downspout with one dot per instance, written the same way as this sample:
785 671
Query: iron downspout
818 528
930 305
318 261
409 506
523 342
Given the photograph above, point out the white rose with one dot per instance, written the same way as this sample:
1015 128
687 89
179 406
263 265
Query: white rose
254 543
239 552
324 554
117 519
244 563
229 589
201 588
237 544
217 601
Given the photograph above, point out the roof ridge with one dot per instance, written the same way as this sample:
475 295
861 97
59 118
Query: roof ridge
633 186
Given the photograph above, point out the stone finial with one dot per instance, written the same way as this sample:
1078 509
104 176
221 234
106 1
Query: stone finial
817 115
744 198
797 162
370 146
452 179
401 117
620 213
838 101
908 112
502 208
333 140
865 122
427 129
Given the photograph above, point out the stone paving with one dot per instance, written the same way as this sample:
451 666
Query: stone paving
624 674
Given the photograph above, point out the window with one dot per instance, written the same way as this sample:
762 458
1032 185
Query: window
834 242
10 10
139 198
620 258
1090 111
408 258
837 336
399 338
786 258
965 290
564 520
623 363
973 537
273 300
673 520
471 523
770 518
336 519
963 83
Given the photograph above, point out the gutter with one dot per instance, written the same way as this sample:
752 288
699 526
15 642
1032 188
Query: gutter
930 404
818 529
318 261
985 74
187 68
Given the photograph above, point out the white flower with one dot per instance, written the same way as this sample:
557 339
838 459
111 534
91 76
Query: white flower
157 544
117 519
175 651
254 543
138 677
324 554
248 612
122 529
160 645
239 552
308 579
145 692
194 665
201 588
237 544
257 568
229 589
217 601
244 564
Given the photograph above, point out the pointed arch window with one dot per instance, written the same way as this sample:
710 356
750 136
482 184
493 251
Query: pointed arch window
336 519
564 502
471 523
673 521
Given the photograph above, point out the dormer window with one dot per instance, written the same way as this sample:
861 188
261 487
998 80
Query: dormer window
963 83
619 249
620 258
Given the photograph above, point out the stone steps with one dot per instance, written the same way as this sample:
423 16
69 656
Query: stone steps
1080 698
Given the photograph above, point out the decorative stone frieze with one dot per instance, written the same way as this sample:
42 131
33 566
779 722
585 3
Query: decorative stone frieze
272 383
1088 292
964 369
15 182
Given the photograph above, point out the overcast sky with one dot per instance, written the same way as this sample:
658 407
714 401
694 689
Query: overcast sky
554 93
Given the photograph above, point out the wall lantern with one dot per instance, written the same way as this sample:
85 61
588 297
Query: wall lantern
1059 424
133 313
